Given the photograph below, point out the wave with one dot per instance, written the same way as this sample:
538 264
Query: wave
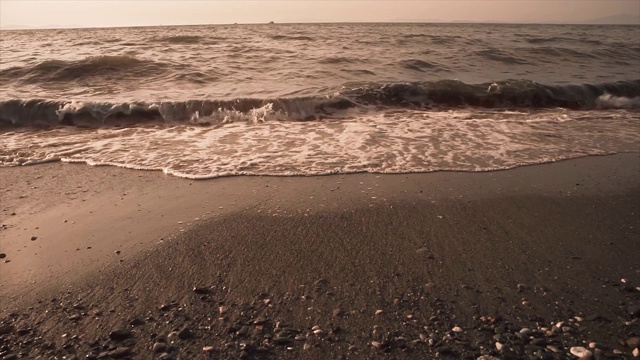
500 56
555 39
180 39
95 66
361 72
291 37
422 66
437 95
435 39
339 60
554 52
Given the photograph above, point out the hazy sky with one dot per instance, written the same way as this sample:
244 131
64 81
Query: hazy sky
90 13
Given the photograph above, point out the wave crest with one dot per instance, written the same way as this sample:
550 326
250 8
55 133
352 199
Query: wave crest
292 37
500 56
444 94
95 66
180 39
421 65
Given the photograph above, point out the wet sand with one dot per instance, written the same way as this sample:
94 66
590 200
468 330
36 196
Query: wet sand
448 265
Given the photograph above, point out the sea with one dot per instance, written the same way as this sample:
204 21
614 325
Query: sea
207 101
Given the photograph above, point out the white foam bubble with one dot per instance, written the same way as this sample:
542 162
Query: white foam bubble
608 101
391 142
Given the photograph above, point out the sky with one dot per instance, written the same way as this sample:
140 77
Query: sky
101 13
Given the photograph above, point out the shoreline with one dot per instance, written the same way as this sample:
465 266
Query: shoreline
481 252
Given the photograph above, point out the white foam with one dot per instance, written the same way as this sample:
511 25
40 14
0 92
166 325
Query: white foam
608 101
393 142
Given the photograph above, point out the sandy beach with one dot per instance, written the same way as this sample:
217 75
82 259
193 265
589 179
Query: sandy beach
534 262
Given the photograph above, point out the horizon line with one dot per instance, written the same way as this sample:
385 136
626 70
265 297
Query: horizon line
75 27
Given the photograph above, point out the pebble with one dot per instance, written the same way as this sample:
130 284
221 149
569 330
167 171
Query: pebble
526 331
243 331
136 322
633 342
378 312
457 329
159 347
499 346
522 337
185 334
120 353
539 342
120 334
201 290
281 340
6 329
636 352
3 255
487 357
208 348
581 352
34 238
553 348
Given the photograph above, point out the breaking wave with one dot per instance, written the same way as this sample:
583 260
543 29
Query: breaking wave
438 95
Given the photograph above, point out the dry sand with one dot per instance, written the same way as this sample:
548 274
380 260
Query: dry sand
449 265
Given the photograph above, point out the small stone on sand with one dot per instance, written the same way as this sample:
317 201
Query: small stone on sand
633 342
159 347
119 334
581 352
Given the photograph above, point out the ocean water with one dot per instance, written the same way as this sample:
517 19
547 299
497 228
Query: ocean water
307 99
